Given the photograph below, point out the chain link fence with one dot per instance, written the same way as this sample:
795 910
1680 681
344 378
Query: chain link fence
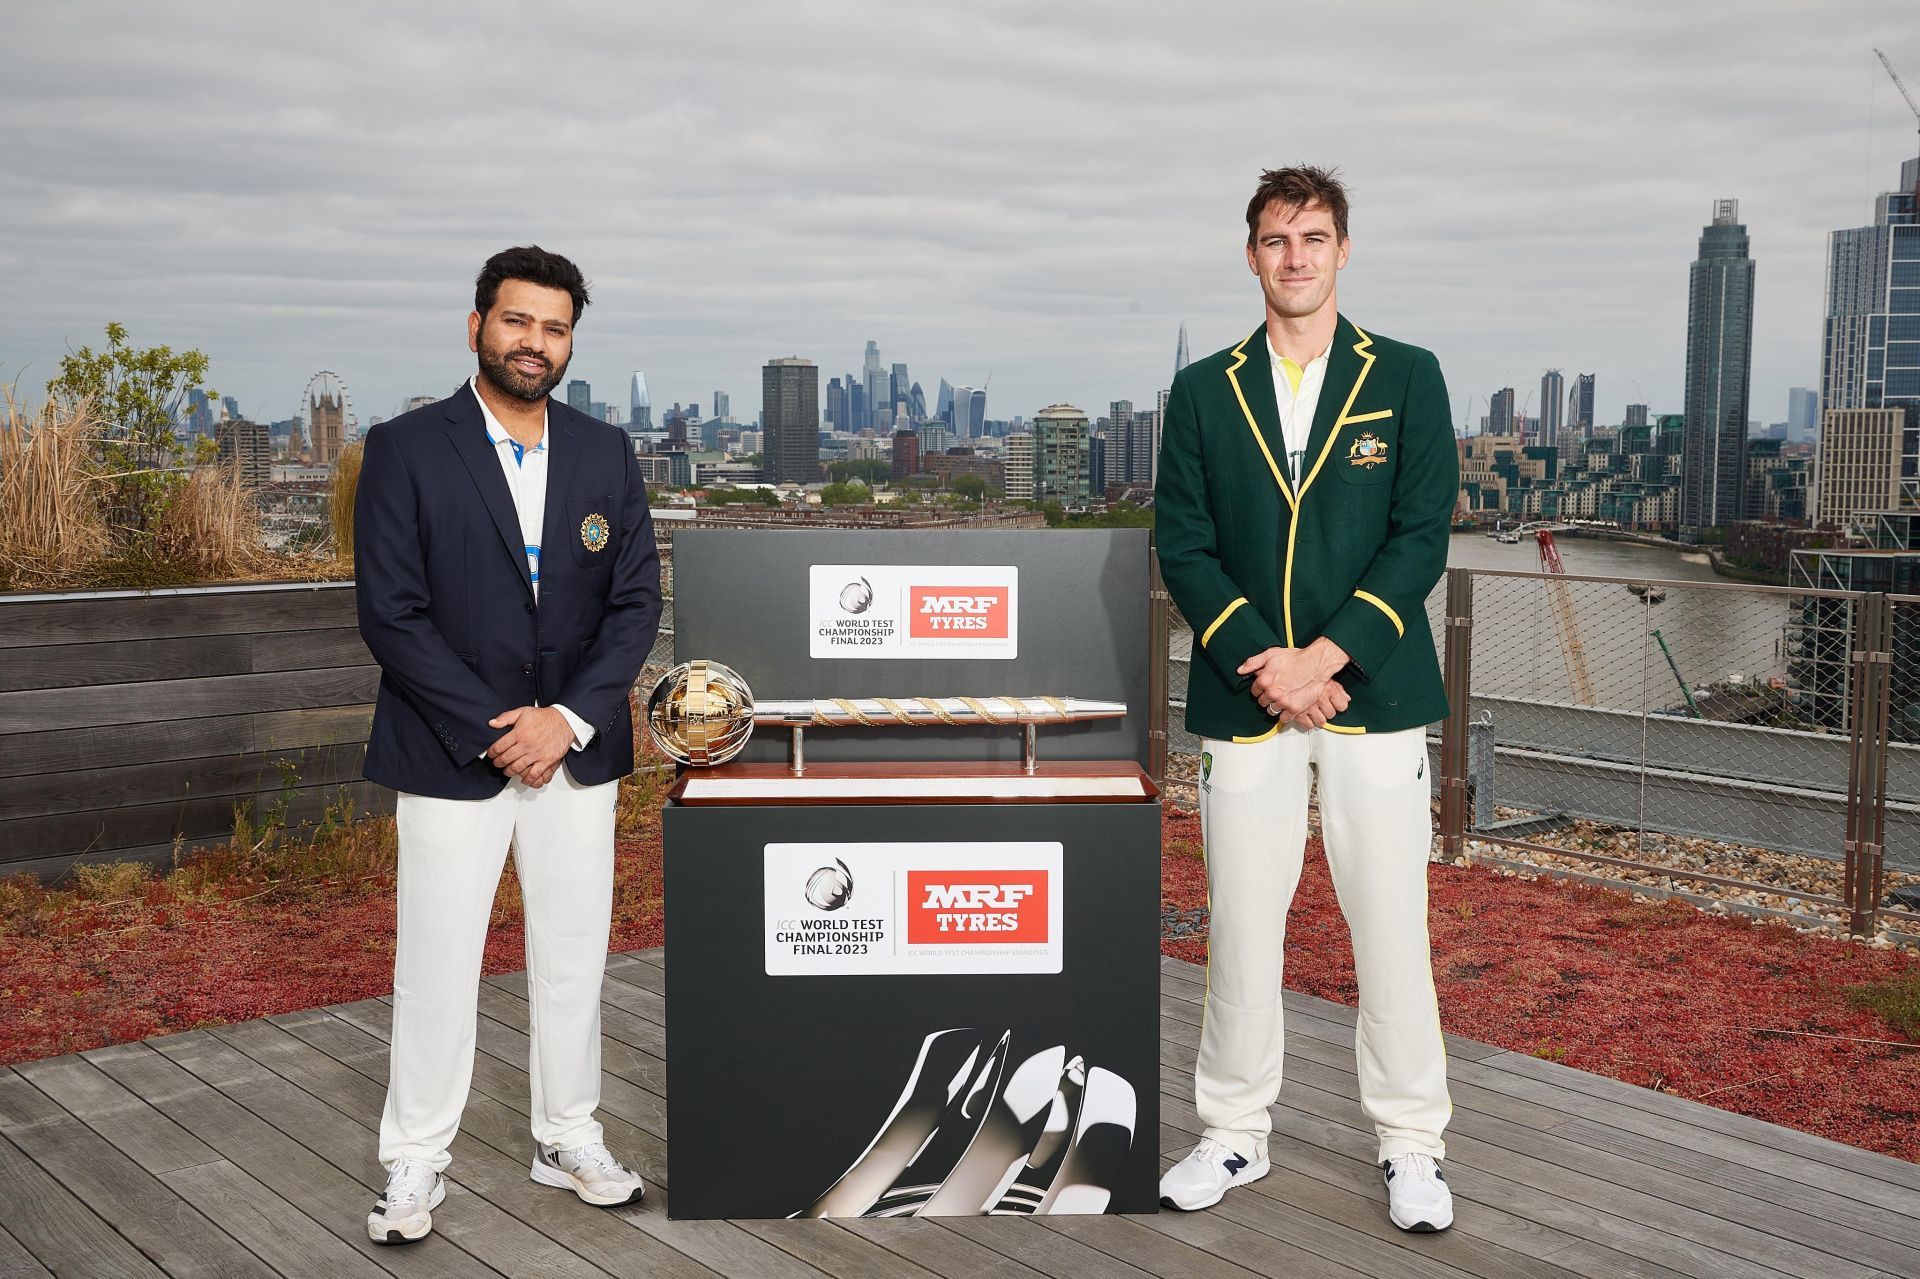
1737 737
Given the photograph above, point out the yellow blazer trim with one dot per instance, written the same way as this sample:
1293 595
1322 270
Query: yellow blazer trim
1225 613
1361 349
1337 728
1248 741
1380 604
1369 417
1279 476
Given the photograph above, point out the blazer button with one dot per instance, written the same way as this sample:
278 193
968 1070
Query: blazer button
527 669
528 607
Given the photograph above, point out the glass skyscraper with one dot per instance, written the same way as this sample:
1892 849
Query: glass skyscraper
1713 464
1870 358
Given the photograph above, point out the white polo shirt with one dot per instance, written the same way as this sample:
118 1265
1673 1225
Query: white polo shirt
1297 393
526 472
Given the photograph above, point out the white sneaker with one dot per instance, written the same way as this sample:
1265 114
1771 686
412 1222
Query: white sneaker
404 1214
1417 1194
1199 1180
590 1172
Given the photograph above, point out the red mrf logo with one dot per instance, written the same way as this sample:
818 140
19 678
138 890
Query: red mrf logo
958 612
992 906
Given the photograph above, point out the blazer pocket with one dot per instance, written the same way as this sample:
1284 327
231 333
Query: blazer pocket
1368 450
590 530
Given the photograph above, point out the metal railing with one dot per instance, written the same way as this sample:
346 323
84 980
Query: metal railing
1683 727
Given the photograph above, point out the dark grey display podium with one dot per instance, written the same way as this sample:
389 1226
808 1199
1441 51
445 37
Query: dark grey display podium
918 977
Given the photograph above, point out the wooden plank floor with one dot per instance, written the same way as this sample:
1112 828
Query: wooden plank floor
249 1150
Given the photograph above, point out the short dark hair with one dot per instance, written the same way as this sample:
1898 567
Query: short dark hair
1299 187
535 265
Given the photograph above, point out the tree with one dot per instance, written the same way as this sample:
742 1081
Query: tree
868 470
846 493
970 486
137 392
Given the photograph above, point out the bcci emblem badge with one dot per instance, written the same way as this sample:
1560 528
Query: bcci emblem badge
594 532
1368 451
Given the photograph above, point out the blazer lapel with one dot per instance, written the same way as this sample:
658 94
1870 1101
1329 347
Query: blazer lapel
1348 364
563 459
468 431
1251 374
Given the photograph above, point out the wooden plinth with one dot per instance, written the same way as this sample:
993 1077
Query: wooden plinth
1060 782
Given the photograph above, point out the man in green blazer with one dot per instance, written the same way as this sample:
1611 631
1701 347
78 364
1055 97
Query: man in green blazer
1307 480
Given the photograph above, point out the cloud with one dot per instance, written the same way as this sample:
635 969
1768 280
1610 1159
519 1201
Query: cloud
1043 193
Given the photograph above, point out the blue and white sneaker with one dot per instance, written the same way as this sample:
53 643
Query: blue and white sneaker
404 1214
589 1171
1204 1176
1417 1194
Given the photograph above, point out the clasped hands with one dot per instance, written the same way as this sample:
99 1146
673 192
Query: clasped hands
1297 685
539 738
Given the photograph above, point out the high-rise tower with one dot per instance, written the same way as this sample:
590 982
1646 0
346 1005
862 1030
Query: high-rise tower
641 418
1713 463
1180 351
1871 354
790 413
1552 387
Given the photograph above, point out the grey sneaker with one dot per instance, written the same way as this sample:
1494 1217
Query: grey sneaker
404 1214
590 1172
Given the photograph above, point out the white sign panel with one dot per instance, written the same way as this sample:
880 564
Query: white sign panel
835 909
913 610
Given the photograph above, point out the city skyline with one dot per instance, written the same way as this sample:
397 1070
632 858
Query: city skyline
314 234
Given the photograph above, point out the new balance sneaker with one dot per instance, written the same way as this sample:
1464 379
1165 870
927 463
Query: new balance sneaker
1199 1180
1417 1194
404 1214
590 1172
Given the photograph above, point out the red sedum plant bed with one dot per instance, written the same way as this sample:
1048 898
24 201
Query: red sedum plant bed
1658 995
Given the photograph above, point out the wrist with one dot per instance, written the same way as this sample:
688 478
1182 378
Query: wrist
1330 658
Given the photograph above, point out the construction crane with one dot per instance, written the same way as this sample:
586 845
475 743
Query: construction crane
1901 85
1565 624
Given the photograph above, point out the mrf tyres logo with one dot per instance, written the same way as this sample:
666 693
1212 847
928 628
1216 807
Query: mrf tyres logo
958 612
993 907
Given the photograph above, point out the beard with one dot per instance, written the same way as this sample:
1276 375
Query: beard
496 365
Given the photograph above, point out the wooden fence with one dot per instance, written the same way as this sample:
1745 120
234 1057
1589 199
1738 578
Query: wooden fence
129 721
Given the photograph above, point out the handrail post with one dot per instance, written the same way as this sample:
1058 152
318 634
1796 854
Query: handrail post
1869 706
1160 617
1453 733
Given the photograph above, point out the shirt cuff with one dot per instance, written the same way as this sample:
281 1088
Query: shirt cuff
582 731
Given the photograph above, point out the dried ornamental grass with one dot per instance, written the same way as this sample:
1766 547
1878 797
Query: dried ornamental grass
340 495
212 526
52 527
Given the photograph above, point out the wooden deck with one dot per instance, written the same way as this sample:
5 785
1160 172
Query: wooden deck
249 1150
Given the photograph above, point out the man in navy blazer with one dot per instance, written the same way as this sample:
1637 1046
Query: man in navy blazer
509 588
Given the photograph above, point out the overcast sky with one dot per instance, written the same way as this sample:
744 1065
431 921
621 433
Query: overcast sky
1040 192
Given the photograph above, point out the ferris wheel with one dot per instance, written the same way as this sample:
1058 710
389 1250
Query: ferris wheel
326 414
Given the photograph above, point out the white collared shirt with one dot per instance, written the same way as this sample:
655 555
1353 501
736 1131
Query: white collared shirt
526 472
1297 393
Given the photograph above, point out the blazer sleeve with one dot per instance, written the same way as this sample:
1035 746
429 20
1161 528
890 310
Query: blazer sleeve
598 688
1426 487
391 585
1227 627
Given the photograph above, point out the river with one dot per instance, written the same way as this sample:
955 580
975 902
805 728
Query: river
1519 650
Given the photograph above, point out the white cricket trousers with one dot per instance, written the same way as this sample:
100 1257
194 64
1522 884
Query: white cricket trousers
1377 825
451 854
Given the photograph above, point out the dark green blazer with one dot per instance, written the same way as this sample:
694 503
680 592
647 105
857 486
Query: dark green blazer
1350 551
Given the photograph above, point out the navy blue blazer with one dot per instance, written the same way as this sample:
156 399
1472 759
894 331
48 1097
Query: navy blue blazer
447 605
